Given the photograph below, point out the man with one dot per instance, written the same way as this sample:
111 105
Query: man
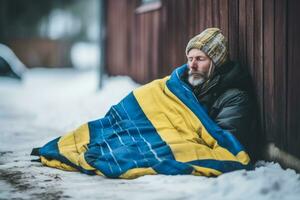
162 128
221 85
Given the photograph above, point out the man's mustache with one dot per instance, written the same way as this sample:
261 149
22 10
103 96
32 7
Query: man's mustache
196 73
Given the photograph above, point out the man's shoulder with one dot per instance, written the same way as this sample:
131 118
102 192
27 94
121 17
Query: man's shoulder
233 96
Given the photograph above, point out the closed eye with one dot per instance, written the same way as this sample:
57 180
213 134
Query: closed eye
200 58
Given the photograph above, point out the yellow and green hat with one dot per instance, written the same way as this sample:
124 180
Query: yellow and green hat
212 42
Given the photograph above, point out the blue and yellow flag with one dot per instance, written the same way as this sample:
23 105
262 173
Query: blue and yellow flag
159 128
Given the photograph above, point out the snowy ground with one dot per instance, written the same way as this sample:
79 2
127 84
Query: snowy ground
48 103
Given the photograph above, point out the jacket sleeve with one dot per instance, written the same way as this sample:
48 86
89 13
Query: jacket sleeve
233 111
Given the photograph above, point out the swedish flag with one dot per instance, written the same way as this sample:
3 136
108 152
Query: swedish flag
159 128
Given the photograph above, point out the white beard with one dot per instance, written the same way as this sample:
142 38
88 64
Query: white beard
195 81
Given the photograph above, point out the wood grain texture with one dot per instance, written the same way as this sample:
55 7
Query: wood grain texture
293 91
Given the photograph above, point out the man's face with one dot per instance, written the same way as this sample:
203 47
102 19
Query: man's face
199 66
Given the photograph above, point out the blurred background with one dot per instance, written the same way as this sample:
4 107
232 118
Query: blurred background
146 39
52 33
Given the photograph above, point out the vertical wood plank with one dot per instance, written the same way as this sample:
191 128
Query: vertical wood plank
293 93
258 67
155 46
233 29
215 13
242 45
269 69
209 14
250 35
202 16
280 67
192 16
224 17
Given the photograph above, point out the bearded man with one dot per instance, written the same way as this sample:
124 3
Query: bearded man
222 86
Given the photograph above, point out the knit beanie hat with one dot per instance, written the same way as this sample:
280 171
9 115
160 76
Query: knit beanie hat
212 42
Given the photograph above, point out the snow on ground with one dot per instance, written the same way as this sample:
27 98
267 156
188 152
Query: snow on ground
50 102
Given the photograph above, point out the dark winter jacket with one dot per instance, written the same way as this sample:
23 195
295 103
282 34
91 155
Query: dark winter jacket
228 99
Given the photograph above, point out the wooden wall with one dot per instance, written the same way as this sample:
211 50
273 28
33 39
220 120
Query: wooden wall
262 34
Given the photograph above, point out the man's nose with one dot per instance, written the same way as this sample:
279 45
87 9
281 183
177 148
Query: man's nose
193 65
